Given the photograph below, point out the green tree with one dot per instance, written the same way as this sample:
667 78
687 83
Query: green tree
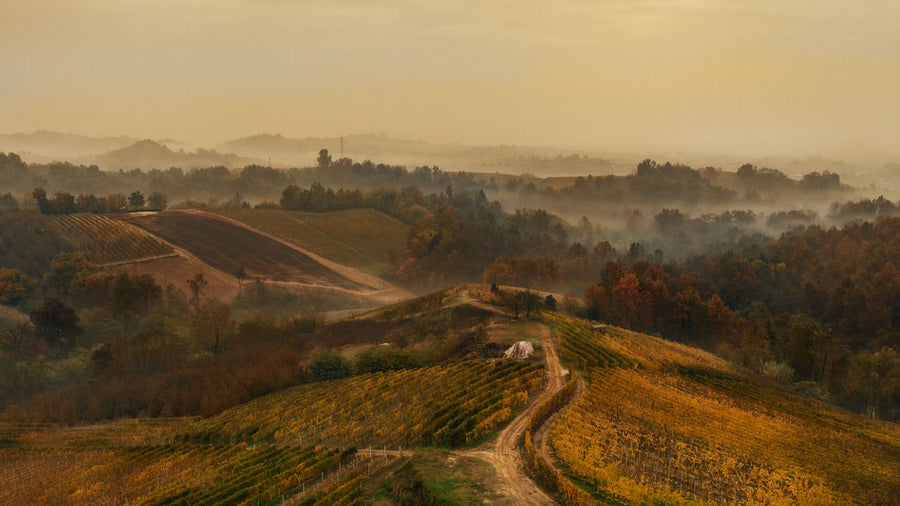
131 293
873 382
157 200
324 159
807 347
136 200
55 322
330 365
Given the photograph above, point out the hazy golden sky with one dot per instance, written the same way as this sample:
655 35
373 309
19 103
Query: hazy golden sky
790 77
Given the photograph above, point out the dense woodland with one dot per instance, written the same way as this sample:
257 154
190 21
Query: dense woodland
806 300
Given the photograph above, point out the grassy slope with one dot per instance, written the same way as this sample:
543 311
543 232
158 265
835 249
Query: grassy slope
433 476
688 426
360 238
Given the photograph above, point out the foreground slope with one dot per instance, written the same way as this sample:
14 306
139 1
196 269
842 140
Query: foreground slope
263 450
651 421
298 445
664 422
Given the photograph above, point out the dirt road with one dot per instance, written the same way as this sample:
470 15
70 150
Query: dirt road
502 453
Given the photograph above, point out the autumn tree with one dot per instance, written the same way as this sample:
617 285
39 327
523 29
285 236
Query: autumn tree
531 302
211 322
240 274
15 287
197 284
130 293
68 271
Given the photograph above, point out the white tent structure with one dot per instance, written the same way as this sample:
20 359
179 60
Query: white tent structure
520 350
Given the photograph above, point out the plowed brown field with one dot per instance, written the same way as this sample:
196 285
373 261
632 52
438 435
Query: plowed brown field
226 246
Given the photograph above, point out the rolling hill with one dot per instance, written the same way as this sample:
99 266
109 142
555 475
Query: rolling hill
360 238
176 245
687 426
641 420
226 246
105 240
148 154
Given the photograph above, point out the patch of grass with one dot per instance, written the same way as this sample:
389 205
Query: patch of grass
438 477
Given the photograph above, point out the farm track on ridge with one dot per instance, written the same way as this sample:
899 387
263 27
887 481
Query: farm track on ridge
503 452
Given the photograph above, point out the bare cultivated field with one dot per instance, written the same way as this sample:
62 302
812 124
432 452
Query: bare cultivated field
360 238
227 247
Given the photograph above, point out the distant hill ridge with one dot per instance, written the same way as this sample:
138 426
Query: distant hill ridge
146 154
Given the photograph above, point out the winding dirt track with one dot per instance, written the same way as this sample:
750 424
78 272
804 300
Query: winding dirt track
502 453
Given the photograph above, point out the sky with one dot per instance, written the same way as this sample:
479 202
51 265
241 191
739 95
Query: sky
761 77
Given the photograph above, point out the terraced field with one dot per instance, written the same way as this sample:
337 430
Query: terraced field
445 405
360 238
159 473
687 427
105 240
297 446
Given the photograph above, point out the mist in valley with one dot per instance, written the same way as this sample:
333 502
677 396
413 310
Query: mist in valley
241 232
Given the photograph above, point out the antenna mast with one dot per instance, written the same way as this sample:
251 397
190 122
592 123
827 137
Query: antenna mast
342 146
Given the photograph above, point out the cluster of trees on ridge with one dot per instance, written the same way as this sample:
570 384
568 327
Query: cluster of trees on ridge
211 185
820 307
650 183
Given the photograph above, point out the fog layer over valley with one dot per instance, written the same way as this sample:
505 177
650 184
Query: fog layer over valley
314 253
